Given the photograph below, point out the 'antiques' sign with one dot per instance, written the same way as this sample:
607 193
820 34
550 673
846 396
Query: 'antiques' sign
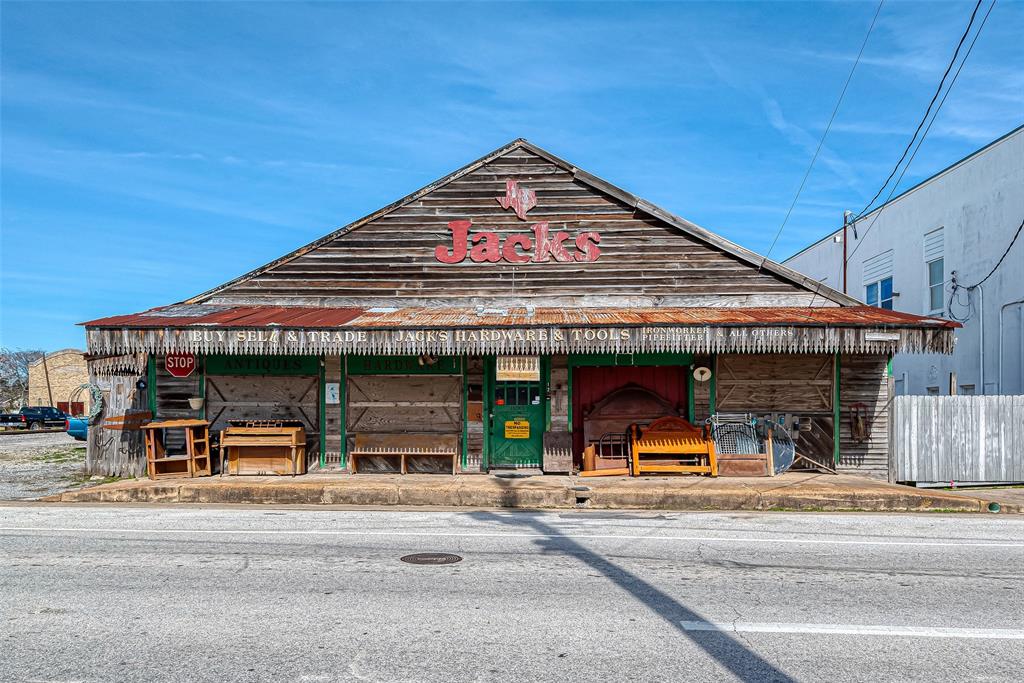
486 246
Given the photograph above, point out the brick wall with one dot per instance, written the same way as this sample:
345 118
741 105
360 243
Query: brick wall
66 371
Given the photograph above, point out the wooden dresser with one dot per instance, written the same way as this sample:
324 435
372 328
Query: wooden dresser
265 447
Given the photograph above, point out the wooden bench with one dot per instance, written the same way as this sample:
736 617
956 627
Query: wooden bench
669 439
404 446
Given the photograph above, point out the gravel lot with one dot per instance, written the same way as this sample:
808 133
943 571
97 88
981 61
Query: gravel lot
37 465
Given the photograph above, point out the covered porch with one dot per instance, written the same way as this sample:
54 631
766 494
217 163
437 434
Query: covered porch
469 391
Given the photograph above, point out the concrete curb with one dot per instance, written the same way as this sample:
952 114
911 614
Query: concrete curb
535 493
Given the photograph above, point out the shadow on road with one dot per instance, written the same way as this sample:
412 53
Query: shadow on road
728 651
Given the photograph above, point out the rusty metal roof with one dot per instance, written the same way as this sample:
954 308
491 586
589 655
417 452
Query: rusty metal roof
206 315
201 315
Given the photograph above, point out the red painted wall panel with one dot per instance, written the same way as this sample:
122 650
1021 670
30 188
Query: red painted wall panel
590 385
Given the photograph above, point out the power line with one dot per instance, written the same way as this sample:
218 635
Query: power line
955 288
956 75
924 118
824 135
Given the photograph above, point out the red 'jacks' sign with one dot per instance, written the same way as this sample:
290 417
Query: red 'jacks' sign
180 364
487 247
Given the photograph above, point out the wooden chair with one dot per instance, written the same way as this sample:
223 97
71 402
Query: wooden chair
669 441
194 462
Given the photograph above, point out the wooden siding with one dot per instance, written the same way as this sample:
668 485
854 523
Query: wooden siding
332 414
702 391
775 383
264 397
403 404
390 260
117 452
558 390
958 438
172 395
862 379
475 418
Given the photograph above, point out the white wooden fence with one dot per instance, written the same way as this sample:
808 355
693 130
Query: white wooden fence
957 438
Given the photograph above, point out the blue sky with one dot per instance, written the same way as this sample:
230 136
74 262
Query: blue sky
151 150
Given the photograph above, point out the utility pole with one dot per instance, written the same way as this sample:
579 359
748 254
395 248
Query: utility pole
846 222
46 371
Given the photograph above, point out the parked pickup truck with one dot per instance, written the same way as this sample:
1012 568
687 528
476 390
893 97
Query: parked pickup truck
34 418
77 427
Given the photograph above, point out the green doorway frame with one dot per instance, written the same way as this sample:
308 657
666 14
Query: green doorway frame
490 364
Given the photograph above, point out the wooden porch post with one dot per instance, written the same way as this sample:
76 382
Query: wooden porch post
836 411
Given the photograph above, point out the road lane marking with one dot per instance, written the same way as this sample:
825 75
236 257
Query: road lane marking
855 630
513 534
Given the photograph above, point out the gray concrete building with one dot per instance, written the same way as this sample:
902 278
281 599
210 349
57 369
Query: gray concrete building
922 251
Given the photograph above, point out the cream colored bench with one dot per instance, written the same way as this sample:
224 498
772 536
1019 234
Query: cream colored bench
404 446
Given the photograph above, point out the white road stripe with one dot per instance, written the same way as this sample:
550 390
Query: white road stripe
514 534
855 630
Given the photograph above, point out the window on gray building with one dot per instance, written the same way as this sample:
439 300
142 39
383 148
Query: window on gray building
936 278
933 391
934 250
878 272
879 293
967 390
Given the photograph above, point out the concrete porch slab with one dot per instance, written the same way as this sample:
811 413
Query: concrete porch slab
791 491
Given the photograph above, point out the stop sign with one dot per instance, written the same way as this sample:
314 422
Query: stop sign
180 364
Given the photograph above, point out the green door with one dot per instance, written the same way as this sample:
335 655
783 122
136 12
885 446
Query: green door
516 424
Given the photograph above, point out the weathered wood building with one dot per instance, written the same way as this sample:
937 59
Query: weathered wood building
515 298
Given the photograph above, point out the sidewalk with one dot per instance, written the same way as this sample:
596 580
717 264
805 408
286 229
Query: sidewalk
791 491
1009 497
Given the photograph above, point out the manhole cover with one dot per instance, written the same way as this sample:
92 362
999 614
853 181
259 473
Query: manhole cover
431 558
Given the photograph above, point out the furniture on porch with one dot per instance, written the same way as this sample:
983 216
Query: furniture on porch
193 462
262 447
671 444
405 449
607 428
608 457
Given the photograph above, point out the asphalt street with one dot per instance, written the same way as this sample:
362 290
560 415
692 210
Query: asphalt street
257 594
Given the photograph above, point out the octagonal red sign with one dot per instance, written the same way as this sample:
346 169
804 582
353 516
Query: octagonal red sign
180 364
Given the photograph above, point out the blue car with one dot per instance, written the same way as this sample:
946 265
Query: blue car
77 427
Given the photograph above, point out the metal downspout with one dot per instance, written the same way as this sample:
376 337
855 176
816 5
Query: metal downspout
981 336
1003 308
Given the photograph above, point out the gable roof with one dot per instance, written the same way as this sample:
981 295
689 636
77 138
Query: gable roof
641 205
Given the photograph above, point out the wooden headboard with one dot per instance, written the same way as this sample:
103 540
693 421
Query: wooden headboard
621 408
